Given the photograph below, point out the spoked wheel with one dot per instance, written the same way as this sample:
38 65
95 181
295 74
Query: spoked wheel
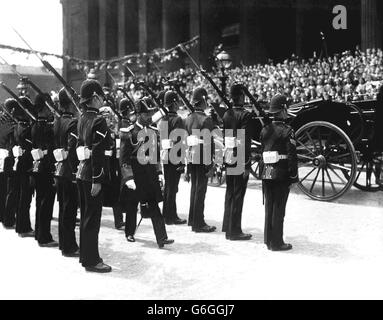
219 177
255 158
368 172
325 154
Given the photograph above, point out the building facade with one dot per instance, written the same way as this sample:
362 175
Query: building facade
253 31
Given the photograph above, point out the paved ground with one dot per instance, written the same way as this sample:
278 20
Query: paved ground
338 253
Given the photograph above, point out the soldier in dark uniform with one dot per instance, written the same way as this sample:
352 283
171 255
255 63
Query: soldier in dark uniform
23 167
65 134
93 137
142 178
172 171
201 162
279 170
129 118
112 189
42 172
235 119
7 126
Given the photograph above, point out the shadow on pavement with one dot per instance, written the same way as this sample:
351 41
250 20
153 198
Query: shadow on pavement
303 246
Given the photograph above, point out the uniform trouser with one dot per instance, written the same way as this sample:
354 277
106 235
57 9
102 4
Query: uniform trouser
24 192
3 194
67 216
172 179
118 214
45 198
276 195
235 194
199 182
11 200
91 209
130 204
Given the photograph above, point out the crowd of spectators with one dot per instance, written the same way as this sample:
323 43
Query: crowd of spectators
349 76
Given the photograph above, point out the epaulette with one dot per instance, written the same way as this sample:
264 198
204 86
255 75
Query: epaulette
127 130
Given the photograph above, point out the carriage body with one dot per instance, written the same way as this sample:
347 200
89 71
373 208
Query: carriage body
336 147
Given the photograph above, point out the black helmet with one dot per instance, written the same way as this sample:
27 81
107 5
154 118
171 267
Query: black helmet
88 89
64 99
11 105
236 90
145 105
170 98
199 95
127 107
278 103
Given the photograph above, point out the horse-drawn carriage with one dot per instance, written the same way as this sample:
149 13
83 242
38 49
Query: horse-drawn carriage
336 148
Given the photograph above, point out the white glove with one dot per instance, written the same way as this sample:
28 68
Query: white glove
131 185
161 179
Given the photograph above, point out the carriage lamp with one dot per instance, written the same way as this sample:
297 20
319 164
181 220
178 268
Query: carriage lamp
223 62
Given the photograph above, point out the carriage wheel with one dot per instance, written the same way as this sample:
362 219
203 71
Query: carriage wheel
325 154
255 157
368 172
219 177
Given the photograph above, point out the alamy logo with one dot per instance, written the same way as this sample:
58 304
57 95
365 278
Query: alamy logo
340 20
202 147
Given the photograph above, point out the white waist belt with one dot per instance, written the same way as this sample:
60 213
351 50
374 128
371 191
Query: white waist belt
273 157
17 151
38 154
166 144
193 141
83 153
60 155
4 153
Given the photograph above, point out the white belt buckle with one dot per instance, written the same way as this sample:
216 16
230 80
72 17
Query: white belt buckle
271 157
83 153
4 153
37 154
166 144
230 142
192 141
60 155
108 153
17 151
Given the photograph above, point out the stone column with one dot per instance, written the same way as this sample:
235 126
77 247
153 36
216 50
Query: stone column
127 27
251 43
175 22
371 24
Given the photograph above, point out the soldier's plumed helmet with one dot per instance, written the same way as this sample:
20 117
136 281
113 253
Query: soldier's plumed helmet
88 89
145 105
236 90
126 107
64 99
11 105
170 98
278 103
199 95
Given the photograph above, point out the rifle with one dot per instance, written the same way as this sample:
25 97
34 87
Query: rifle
144 86
14 96
48 103
118 88
72 93
112 107
207 77
261 114
175 84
